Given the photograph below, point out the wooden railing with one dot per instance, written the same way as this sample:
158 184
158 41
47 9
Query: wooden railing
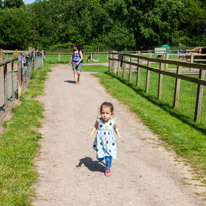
140 62
15 72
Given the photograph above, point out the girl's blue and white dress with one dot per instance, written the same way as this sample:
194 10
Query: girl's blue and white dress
105 143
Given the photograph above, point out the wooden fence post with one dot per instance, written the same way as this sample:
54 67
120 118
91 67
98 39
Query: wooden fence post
177 88
160 82
112 64
115 65
138 70
92 58
5 87
19 76
199 97
59 57
166 58
109 62
148 77
123 73
118 68
191 60
130 70
12 77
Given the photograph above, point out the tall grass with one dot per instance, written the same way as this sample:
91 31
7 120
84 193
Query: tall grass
19 144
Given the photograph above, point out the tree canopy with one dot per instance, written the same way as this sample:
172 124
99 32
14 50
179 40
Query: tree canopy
115 24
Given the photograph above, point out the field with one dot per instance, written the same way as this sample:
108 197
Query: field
64 58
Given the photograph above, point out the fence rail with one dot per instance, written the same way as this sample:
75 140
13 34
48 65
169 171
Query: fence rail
177 70
15 72
184 55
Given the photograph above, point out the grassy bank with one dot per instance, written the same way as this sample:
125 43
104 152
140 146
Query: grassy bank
19 144
181 134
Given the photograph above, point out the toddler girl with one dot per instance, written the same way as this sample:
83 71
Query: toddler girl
104 143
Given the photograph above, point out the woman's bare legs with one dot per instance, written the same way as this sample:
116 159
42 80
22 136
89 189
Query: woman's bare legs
75 73
78 77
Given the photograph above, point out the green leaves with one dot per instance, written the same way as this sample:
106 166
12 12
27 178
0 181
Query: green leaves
11 3
117 24
14 28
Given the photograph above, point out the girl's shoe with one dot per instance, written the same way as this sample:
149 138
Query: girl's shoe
107 172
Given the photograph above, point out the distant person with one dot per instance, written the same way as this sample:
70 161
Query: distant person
76 59
105 143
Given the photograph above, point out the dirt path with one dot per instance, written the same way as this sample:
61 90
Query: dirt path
144 174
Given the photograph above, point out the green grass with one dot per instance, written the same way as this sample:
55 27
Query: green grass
64 59
182 134
95 68
171 56
19 144
188 92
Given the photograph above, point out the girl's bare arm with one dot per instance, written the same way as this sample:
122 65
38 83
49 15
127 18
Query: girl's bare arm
116 129
93 130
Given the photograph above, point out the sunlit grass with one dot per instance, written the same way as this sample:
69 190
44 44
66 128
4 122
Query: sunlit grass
64 59
19 144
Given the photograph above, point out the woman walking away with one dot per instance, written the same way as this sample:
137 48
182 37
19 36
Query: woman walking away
104 143
76 59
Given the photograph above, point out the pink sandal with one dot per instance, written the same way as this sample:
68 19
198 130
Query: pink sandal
107 172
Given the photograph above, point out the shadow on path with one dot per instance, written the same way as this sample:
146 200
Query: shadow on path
94 166
70 81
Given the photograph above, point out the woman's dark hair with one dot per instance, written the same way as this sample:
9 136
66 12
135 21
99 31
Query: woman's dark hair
107 104
79 47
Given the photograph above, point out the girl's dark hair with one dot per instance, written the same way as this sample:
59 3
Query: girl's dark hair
107 104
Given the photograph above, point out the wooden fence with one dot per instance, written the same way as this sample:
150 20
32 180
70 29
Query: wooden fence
15 72
185 57
181 55
118 62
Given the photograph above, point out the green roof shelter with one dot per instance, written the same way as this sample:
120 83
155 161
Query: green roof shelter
167 47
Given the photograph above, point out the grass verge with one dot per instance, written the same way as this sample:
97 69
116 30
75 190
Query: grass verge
19 144
183 136
95 68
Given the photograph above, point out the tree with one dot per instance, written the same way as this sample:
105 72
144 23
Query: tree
15 26
194 23
1 4
12 3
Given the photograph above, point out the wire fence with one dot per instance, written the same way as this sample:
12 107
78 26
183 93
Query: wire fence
15 73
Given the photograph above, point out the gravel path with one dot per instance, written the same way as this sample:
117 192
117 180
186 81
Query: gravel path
145 174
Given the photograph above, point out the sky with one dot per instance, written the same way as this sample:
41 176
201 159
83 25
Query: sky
28 1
